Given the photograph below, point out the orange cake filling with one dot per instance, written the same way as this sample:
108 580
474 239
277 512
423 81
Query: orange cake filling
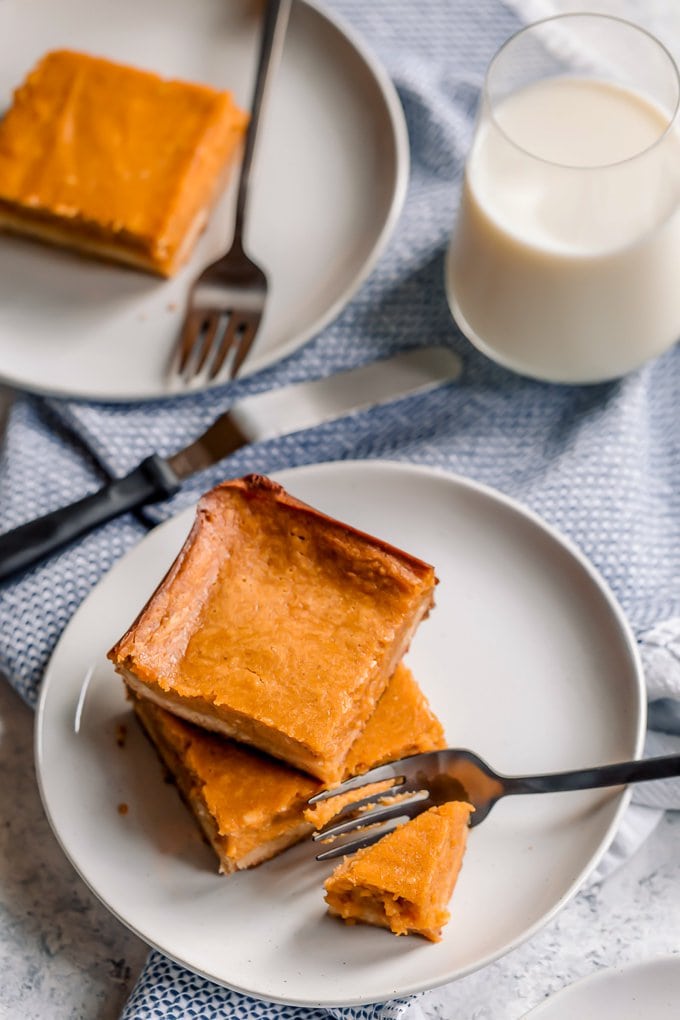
252 807
277 626
113 160
402 724
248 805
404 881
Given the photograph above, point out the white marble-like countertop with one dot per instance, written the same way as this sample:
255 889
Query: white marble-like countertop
63 955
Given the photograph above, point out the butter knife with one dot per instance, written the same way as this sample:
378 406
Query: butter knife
250 420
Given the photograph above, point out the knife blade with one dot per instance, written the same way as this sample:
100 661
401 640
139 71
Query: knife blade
253 419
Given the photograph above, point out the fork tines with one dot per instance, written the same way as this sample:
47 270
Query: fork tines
365 837
376 775
373 816
382 809
367 827
209 337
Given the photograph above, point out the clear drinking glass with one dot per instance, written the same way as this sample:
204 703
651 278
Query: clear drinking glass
564 263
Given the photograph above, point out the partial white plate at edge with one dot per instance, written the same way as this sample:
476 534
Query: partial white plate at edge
526 658
648 990
328 186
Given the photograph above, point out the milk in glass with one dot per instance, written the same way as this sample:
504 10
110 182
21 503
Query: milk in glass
565 261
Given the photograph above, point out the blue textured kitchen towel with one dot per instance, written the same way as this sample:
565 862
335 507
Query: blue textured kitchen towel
601 463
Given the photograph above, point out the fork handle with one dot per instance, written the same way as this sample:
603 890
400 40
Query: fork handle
151 481
273 33
641 771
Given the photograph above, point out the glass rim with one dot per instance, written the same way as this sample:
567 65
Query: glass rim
590 16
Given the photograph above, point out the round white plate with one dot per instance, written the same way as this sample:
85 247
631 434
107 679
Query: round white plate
328 185
527 659
641 991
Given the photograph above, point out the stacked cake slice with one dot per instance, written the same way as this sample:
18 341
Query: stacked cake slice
251 806
267 664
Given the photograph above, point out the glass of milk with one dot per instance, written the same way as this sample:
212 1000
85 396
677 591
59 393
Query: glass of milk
564 263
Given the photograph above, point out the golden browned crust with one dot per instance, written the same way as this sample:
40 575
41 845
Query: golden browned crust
405 880
276 625
250 806
114 161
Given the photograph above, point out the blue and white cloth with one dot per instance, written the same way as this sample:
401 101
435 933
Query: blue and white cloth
600 463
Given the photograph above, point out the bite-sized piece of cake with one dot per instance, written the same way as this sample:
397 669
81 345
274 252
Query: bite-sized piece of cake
250 806
276 625
115 161
405 880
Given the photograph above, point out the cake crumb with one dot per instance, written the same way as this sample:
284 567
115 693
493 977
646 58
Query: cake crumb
122 809
121 734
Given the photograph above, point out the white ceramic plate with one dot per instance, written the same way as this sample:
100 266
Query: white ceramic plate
328 185
642 991
526 659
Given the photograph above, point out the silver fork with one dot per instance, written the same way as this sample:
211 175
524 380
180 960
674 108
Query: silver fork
226 301
427 780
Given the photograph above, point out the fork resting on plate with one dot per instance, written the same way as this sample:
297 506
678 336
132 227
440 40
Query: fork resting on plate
426 780
227 300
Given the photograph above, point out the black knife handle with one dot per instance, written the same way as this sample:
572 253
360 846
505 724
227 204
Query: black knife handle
151 481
